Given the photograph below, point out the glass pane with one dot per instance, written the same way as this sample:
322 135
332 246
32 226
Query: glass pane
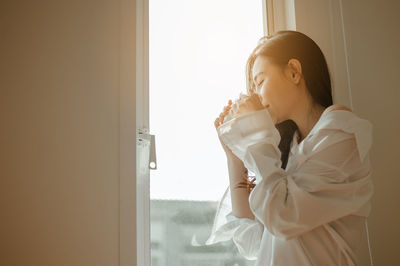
198 52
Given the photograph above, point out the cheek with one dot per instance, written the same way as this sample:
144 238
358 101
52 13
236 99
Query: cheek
273 93
268 93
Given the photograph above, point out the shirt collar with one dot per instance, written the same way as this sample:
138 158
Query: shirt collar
348 122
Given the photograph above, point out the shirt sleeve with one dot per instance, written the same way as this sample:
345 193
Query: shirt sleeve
331 180
245 233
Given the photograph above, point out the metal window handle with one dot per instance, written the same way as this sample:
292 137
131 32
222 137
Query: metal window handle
144 138
153 158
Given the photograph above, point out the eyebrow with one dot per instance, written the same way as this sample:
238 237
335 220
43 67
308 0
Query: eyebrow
255 77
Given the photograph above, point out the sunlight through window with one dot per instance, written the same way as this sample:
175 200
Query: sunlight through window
198 51
197 56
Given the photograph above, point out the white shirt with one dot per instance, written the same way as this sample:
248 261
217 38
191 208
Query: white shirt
313 212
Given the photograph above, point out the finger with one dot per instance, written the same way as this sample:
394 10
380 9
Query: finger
257 101
216 122
234 107
243 96
241 100
255 97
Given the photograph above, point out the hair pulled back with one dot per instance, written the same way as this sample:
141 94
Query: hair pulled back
282 46
279 48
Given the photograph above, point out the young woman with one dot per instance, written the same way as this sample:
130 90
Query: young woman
310 196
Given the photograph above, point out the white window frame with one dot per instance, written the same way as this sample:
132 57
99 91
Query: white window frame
308 16
134 225
142 127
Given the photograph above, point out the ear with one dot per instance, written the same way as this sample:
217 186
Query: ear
293 71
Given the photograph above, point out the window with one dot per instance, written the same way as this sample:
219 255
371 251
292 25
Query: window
197 57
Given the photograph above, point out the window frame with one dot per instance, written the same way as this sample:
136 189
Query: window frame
277 15
142 214
142 126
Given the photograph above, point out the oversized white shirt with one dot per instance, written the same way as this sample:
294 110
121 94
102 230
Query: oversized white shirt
312 212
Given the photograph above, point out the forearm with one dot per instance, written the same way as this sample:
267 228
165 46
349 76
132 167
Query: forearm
239 195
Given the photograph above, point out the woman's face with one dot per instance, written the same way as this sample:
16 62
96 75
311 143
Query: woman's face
276 90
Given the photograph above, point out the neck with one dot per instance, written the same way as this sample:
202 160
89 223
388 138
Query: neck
306 119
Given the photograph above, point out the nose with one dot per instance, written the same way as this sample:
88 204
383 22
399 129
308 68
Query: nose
261 100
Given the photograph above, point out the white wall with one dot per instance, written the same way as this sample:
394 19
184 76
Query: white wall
372 37
60 132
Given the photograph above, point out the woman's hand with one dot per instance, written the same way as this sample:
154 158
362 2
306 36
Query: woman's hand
237 174
235 165
219 122
246 104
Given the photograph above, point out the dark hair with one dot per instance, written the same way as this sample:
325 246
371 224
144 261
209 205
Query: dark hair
279 48
282 46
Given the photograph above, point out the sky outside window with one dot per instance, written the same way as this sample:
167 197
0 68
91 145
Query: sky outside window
198 52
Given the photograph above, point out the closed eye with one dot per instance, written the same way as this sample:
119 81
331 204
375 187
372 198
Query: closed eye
259 84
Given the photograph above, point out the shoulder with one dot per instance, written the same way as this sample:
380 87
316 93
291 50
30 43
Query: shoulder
338 123
338 107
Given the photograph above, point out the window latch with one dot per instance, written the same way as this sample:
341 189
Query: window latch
145 139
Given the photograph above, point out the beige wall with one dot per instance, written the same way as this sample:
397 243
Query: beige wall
372 30
372 37
60 131
59 135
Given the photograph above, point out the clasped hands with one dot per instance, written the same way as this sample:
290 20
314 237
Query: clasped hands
245 104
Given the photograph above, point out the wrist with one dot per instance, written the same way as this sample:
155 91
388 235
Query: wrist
242 182
236 169
234 160
237 174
